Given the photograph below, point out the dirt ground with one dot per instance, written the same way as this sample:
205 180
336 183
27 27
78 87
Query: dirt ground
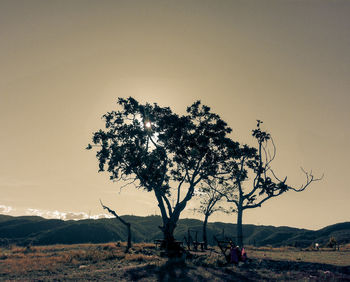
108 262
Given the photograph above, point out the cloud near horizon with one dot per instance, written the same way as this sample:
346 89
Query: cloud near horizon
64 215
6 209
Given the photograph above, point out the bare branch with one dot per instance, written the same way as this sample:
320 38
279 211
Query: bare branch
274 151
309 179
225 195
127 224
275 176
132 181
268 157
114 213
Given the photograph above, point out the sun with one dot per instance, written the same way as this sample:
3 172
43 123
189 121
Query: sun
148 124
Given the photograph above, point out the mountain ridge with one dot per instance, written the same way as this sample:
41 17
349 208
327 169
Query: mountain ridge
24 230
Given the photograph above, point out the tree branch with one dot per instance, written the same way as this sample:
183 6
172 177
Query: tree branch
229 200
114 213
262 201
179 188
161 206
309 178
168 204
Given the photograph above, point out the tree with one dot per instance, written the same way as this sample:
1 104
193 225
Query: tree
127 224
332 243
211 194
264 184
162 152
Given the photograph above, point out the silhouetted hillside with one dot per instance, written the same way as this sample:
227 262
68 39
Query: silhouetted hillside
4 217
39 231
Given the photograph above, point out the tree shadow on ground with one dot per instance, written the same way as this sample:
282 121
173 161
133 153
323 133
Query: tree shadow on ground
281 265
178 270
137 273
229 274
253 270
174 270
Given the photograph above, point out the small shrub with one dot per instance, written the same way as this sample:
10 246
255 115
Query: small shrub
332 243
110 247
138 257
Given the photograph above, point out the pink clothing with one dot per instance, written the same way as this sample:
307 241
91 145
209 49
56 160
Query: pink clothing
243 255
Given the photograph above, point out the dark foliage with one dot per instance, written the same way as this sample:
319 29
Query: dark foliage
159 151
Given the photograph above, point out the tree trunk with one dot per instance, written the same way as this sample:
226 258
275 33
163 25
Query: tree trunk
127 224
169 231
129 237
169 222
239 226
172 249
205 240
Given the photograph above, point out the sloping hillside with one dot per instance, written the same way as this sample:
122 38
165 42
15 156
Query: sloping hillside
39 231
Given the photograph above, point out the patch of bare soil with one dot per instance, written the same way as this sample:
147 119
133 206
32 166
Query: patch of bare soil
108 262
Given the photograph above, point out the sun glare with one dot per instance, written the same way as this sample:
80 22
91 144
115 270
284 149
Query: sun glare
148 124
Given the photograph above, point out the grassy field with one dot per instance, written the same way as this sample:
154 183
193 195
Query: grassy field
325 256
143 263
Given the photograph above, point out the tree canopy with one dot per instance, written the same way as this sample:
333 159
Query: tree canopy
172 155
162 152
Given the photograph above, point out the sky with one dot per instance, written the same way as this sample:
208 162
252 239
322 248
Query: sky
63 64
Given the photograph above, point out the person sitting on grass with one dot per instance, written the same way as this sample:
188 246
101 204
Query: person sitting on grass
235 254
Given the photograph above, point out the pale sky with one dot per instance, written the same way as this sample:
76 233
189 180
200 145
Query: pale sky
63 64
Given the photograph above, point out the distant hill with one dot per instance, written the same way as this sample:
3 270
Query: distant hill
40 231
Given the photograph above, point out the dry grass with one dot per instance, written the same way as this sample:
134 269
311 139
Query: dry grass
345 247
324 255
110 262
20 260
